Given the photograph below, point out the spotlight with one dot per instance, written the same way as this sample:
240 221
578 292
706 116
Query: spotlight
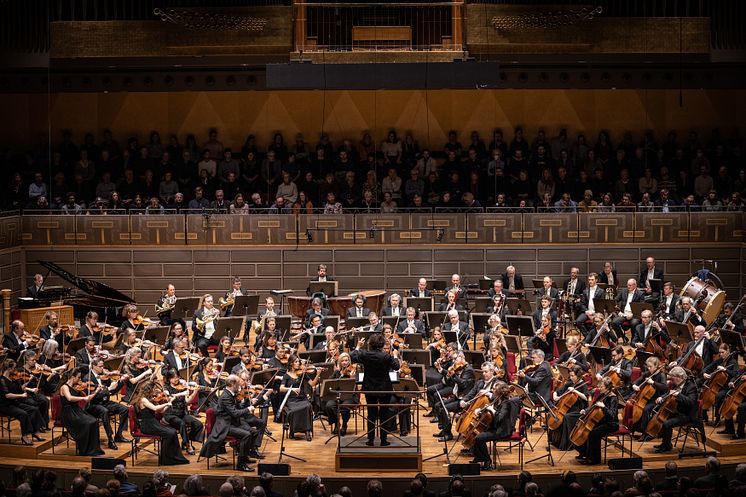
309 236
439 234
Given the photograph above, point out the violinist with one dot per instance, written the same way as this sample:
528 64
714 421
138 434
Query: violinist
210 380
298 413
653 375
459 327
254 398
460 377
505 412
101 405
701 345
544 337
151 399
279 362
377 364
177 331
687 398
410 324
87 353
726 361
539 379
204 324
230 295
17 340
52 330
50 358
165 305
437 378
178 417
648 329
81 426
228 418
136 369
178 358
621 366
573 356
91 328
342 369
13 404
437 345
497 354
587 305
131 318
358 310
450 303
268 347
561 438
225 349
247 361
33 385
129 340
590 452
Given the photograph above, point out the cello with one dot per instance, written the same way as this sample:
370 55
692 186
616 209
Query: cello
692 361
586 424
735 396
464 421
563 406
662 412
640 398
713 385
652 345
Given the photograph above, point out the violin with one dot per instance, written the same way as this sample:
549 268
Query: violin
112 376
529 369
30 337
160 397
20 376
140 320
456 368
69 330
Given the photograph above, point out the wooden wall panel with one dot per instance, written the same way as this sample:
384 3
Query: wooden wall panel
429 115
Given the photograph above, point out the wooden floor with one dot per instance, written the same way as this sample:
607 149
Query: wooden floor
319 454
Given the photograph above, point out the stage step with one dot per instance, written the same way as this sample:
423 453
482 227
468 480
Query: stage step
371 461
725 446
15 449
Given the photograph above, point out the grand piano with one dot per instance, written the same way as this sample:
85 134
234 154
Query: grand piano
86 295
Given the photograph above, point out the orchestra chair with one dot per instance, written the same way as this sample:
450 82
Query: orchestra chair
232 441
619 436
636 373
57 422
690 430
510 357
138 435
5 426
516 439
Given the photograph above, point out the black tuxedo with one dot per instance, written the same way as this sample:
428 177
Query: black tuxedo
586 298
418 325
709 349
14 345
81 357
377 365
462 334
170 360
389 311
539 382
657 274
639 335
537 318
310 313
415 292
695 319
491 293
228 422
686 412
444 307
579 286
352 312
670 310
621 302
33 292
603 278
553 293
517 282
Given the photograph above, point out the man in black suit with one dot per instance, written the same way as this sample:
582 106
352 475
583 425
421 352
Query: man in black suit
701 344
547 289
228 419
646 329
668 300
33 290
456 287
377 365
102 407
497 287
574 285
410 324
622 366
586 306
459 327
173 359
545 309
650 272
462 382
538 381
688 313
316 309
359 310
623 300
687 397
394 308
245 364
505 411
329 333
321 276
87 353
608 276
12 341
421 291
512 281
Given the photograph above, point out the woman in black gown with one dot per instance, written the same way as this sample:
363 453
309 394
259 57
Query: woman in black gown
298 414
136 369
207 376
51 359
190 428
146 408
12 405
82 426
561 437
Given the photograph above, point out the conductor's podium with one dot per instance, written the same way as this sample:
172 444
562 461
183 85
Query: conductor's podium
403 454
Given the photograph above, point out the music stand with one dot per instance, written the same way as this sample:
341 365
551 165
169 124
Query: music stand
513 344
479 321
538 283
516 304
245 305
561 345
600 355
328 288
482 304
282 327
547 412
230 326
184 308
331 320
423 357
230 363
157 334
564 371
316 338
413 340
393 321
732 338
638 307
437 285
678 330
186 373
113 364
420 304
449 336
604 306
263 377
364 334
485 283
418 373
641 356
313 356
656 285
474 358
75 345
521 326
356 322
436 318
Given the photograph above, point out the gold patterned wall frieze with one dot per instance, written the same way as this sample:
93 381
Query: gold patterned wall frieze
544 19
202 20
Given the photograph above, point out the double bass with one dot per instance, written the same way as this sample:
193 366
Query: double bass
586 424
563 406
733 399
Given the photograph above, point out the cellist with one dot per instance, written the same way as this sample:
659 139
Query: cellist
561 438
648 329
654 375
687 398
504 415
621 366
725 362
590 452
573 356
702 345
730 428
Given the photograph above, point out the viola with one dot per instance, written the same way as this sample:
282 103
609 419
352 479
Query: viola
563 406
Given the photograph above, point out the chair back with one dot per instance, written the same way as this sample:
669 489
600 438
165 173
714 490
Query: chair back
56 409
134 428
209 420
636 373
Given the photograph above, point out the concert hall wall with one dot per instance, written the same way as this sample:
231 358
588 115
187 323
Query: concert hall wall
346 114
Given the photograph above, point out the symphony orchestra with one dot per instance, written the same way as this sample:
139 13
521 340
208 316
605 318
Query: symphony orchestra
591 357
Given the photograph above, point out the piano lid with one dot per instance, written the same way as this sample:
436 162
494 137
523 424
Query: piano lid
97 290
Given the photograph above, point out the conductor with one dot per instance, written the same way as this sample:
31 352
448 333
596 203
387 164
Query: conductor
376 364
